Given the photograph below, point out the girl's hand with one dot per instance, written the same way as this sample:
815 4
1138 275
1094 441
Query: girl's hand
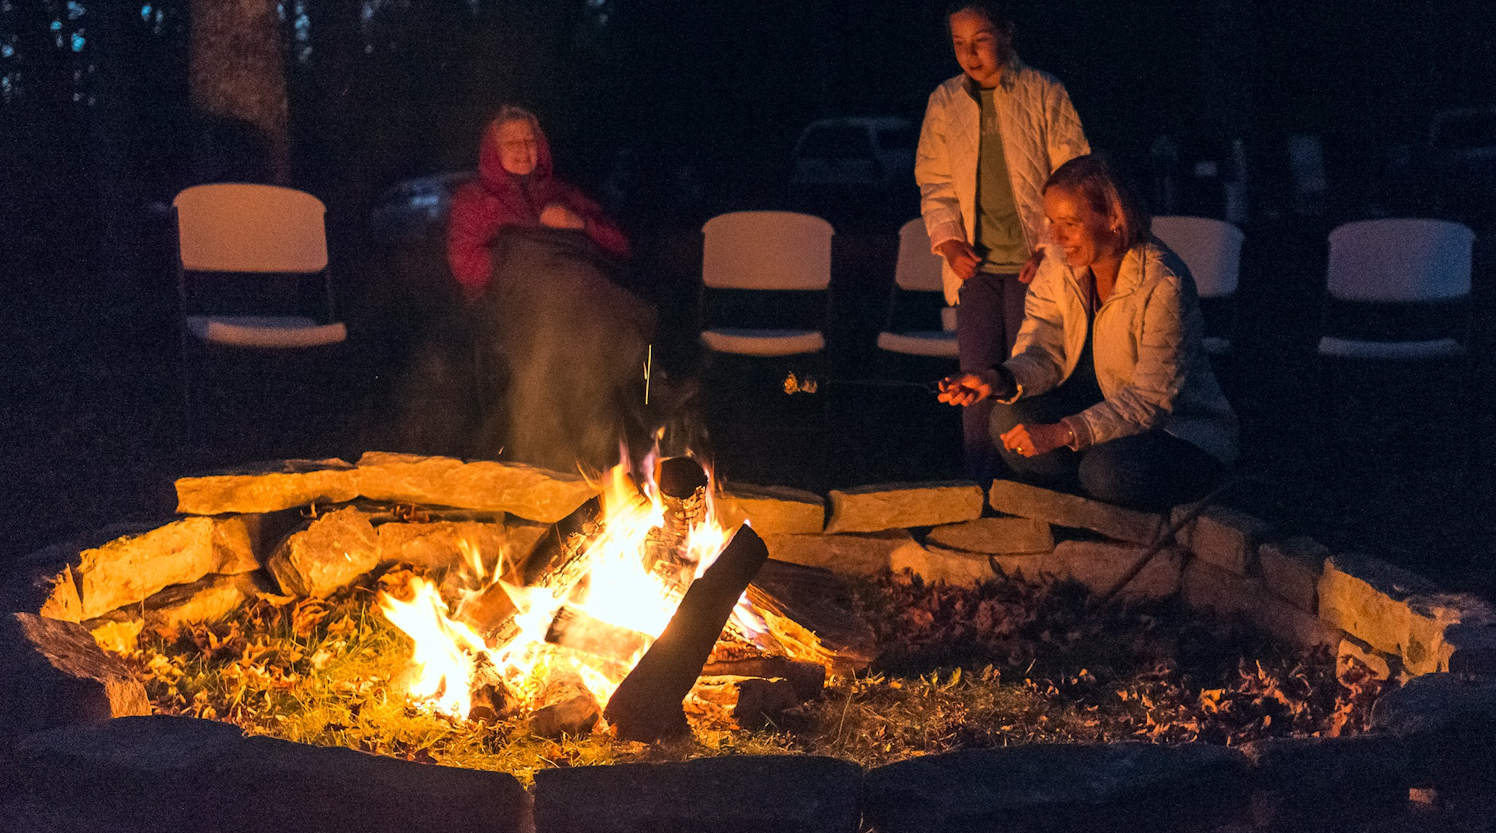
961 256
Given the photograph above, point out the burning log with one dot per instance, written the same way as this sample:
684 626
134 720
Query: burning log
807 678
576 630
567 708
809 610
683 485
556 562
749 700
647 704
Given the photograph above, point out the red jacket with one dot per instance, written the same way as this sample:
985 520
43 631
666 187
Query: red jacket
497 198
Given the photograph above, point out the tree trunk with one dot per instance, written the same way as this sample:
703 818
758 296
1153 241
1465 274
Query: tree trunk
237 88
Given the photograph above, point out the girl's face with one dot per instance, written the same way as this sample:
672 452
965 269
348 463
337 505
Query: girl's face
981 47
1083 234
519 148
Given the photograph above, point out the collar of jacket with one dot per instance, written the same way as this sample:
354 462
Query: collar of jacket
1130 274
1006 80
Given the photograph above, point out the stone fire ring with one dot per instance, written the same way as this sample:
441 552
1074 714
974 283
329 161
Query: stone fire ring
79 750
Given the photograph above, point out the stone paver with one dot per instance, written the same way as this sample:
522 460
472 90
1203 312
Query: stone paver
903 505
267 487
1014 498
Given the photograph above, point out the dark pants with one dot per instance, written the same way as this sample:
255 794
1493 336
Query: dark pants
987 322
1152 470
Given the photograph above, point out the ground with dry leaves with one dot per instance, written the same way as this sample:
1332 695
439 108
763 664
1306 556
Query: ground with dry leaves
993 665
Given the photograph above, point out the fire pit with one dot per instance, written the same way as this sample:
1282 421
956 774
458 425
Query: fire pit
530 661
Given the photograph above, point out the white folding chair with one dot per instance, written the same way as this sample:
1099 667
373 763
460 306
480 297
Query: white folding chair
775 251
248 236
1212 251
916 279
1398 293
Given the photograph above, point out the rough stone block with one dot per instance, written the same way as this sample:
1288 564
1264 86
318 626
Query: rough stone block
773 510
1352 651
994 536
851 555
267 487
1396 611
1114 787
938 564
735 794
1207 587
176 773
1061 509
1100 564
903 505
526 491
56 675
1302 783
438 544
205 600
1291 569
332 552
1222 536
1442 626
129 569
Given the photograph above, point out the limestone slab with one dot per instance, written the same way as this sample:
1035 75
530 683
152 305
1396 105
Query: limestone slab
130 568
1222 536
1226 593
1061 509
1114 787
850 555
177 773
1396 611
1100 564
439 544
1291 568
526 491
332 552
903 505
947 566
732 794
267 487
994 536
56 675
773 510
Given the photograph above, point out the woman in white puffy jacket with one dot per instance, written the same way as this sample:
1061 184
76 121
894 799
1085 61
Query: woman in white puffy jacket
991 137
1109 389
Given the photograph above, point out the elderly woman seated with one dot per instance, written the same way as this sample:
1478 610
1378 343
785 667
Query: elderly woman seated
1109 390
540 265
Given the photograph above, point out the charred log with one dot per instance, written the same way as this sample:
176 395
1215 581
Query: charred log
810 611
807 678
567 707
576 630
748 700
555 563
647 704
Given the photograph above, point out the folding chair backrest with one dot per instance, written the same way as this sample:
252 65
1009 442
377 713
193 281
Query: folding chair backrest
1210 248
917 268
238 227
766 250
1399 260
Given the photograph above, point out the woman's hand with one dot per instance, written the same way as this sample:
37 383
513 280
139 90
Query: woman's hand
556 215
965 388
961 256
1033 440
1031 266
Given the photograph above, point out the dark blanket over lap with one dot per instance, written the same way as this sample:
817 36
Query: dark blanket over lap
569 344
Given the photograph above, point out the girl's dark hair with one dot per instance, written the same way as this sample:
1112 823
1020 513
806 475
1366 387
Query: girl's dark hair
995 11
1098 183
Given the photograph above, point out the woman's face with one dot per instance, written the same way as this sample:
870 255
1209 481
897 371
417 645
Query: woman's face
519 147
1083 234
981 47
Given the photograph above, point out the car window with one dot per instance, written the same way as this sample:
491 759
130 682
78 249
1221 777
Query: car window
1465 130
896 138
836 142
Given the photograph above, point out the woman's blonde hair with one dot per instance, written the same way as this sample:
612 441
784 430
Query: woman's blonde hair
1098 183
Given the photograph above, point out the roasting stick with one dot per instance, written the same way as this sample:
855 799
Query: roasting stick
1161 540
794 384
